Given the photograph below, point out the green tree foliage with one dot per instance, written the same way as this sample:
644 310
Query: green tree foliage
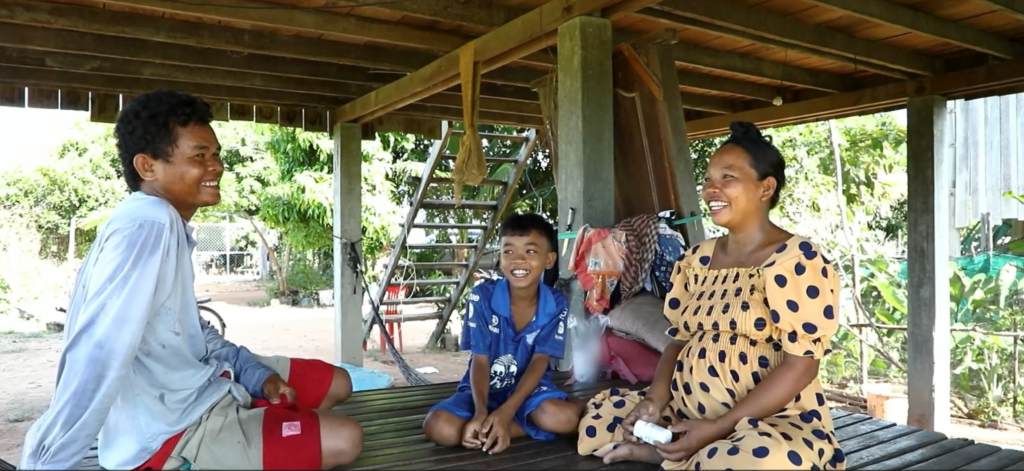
296 193
84 176
979 303
284 179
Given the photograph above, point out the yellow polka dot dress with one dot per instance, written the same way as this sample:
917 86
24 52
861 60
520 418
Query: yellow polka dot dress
738 324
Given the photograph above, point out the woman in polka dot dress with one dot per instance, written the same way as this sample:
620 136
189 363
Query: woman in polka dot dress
751 313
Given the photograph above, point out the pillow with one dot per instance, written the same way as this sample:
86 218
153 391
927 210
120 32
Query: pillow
642 317
631 360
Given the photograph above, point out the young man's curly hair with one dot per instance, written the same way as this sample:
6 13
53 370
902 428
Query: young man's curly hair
149 125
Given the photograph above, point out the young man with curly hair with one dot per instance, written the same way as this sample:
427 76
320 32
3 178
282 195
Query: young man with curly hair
140 369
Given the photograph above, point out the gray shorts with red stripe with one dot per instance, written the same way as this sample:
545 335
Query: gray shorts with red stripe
263 436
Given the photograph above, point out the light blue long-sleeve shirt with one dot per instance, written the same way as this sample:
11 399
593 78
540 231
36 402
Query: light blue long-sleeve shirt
139 365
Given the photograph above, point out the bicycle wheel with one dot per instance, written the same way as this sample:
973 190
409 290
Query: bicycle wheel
217 321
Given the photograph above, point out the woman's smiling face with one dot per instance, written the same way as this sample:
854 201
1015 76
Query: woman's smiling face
733 191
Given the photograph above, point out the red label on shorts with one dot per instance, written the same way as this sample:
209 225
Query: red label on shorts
291 428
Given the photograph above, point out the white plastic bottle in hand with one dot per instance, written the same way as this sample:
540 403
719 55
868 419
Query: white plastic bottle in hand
651 433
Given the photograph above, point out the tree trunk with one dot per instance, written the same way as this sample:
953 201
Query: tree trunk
282 281
287 266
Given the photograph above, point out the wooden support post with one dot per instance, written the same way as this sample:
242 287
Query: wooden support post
266 114
74 100
104 107
659 59
12 96
928 264
241 112
44 98
348 288
585 178
219 110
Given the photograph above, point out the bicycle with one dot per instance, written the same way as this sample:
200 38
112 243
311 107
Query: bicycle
220 325
210 312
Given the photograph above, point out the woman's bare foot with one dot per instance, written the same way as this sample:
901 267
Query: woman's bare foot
641 452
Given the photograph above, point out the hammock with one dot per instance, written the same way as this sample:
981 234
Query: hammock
413 377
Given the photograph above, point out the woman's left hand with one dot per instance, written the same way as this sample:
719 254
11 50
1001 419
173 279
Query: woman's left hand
694 436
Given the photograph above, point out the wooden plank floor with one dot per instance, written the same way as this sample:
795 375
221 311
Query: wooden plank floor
392 420
394 440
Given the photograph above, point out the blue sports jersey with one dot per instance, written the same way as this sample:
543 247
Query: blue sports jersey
488 329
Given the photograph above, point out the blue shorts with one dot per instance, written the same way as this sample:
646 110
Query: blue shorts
461 405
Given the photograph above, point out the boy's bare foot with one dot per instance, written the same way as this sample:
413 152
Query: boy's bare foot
641 452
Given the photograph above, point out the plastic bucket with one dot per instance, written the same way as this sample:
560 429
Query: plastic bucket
887 401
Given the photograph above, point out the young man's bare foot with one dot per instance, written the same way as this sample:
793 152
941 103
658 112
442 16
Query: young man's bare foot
640 452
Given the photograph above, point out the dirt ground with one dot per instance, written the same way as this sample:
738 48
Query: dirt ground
28 359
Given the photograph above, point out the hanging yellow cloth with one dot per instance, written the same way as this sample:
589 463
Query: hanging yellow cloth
470 164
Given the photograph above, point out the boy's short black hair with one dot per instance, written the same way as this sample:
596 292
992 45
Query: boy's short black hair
524 224
149 125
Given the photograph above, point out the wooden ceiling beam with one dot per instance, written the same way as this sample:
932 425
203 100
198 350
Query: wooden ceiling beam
1014 8
58 40
676 21
893 14
764 23
473 13
164 30
486 117
707 58
98 45
980 81
356 28
714 83
153 70
483 14
527 33
713 59
32 37
696 101
134 85
28 76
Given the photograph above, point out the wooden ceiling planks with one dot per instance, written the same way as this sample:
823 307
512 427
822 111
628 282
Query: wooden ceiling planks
389 59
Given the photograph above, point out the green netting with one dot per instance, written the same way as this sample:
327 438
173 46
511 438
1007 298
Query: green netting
989 263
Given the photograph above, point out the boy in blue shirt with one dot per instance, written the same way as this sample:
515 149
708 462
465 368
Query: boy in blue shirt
514 326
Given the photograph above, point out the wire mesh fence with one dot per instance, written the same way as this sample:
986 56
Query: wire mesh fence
229 251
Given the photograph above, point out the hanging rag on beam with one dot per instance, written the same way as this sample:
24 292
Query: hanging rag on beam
616 258
470 164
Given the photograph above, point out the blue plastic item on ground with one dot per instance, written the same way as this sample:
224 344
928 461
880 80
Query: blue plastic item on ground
364 379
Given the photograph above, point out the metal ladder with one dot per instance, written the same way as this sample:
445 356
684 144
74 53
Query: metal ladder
485 216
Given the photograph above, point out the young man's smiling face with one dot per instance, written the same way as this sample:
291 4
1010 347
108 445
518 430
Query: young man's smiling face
189 178
524 259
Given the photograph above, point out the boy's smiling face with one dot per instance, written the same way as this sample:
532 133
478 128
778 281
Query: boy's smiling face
524 259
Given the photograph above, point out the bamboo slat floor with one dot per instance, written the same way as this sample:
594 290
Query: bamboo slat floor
392 420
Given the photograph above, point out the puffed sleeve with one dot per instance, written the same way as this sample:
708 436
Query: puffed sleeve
803 297
679 295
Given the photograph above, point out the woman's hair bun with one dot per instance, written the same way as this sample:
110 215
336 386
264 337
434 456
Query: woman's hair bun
747 130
